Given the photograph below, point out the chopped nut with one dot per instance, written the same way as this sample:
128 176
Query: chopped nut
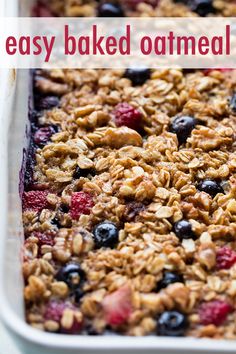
67 318
207 257
189 245
164 212
51 326
60 289
36 288
119 137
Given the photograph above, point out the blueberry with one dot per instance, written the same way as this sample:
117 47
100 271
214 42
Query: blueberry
211 187
232 103
105 234
34 119
71 274
78 294
138 76
169 278
183 229
185 2
43 134
64 208
29 167
91 331
47 102
28 177
172 323
182 126
83 172
202 7
55 221
110 10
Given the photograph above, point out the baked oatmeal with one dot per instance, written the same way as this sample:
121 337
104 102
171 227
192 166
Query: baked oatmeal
129 203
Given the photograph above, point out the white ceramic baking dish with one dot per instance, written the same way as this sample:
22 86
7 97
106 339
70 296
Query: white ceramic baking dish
13 140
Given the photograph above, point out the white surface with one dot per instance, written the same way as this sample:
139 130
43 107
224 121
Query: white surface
7 345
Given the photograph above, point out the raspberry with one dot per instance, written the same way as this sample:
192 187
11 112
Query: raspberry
117 306
81 203
54 312
214 312
46 238
225 258
75 328
208 71
40 10
42 135
127 115
35 200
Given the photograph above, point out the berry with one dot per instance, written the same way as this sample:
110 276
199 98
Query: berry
185 2
225 258
29 167
43 134
47 102
105 234
39 10
169 278
56 221
54 312
183 229
78 294
127 115
29 175
182 126
202 7
110 10
35 200
117 306
210 187
92 331
45 238
133 209
138 76
74 329
83 172
232 103
172 323
208 71
71 274
64 208
214 312
81 203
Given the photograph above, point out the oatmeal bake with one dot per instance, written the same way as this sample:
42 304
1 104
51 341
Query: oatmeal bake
129 202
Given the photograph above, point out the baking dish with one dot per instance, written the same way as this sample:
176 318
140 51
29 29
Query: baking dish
13 115
13 118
